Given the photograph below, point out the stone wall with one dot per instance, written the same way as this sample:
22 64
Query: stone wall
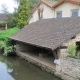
77 38
70 67
23 47
63 52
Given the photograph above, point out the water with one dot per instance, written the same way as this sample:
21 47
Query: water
13 68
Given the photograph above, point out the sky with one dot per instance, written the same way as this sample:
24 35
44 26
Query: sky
9 3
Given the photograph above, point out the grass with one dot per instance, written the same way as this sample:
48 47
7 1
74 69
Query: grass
5 33
5 43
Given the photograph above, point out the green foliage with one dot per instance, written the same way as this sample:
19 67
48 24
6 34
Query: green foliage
72 51
5 43
4 8
23 13
3 24
32 3
9 50
5 33
12 19
2 45
77 55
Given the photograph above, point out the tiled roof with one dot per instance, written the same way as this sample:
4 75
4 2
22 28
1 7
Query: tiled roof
70 1
49 3
48 33
78 0
34 8
3 17
53 3
74 1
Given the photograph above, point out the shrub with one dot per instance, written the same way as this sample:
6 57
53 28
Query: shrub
2 45
2 23
9 50
72 51
78 55
5 33
6 43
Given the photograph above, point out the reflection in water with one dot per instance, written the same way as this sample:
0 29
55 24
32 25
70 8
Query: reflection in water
13 68
4 75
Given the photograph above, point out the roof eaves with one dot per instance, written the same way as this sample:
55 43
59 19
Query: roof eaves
40 1
36 5
29 18
73 1
61 1
57 4
69 38
46 4
65 40
30 44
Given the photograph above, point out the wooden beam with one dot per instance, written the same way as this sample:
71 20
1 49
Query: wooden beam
55 54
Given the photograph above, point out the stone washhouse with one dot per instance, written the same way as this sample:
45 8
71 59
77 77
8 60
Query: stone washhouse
45 37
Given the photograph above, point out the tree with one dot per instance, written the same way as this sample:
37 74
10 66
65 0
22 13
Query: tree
4 8
12 19
17 1
32 3
23 13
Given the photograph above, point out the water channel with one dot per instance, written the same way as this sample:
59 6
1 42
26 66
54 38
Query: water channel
13 68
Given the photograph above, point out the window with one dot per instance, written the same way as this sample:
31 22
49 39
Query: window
59 14
75 13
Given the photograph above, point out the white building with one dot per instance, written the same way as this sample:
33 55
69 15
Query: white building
54 9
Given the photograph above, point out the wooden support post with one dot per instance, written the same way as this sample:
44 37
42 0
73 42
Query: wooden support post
57 60
55 54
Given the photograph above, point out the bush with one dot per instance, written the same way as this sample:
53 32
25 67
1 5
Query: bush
72 51
6 43
9 50
2 45
5 33
78 55
2 23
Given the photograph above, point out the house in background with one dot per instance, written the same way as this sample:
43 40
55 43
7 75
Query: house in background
54 9
43 9
3 18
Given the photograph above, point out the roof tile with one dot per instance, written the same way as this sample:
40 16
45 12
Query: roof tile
48 33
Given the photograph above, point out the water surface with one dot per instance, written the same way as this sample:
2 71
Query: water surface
13 68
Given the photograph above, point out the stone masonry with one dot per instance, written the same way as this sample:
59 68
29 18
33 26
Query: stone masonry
70 67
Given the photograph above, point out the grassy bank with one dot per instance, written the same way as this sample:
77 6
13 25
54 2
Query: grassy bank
6 44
